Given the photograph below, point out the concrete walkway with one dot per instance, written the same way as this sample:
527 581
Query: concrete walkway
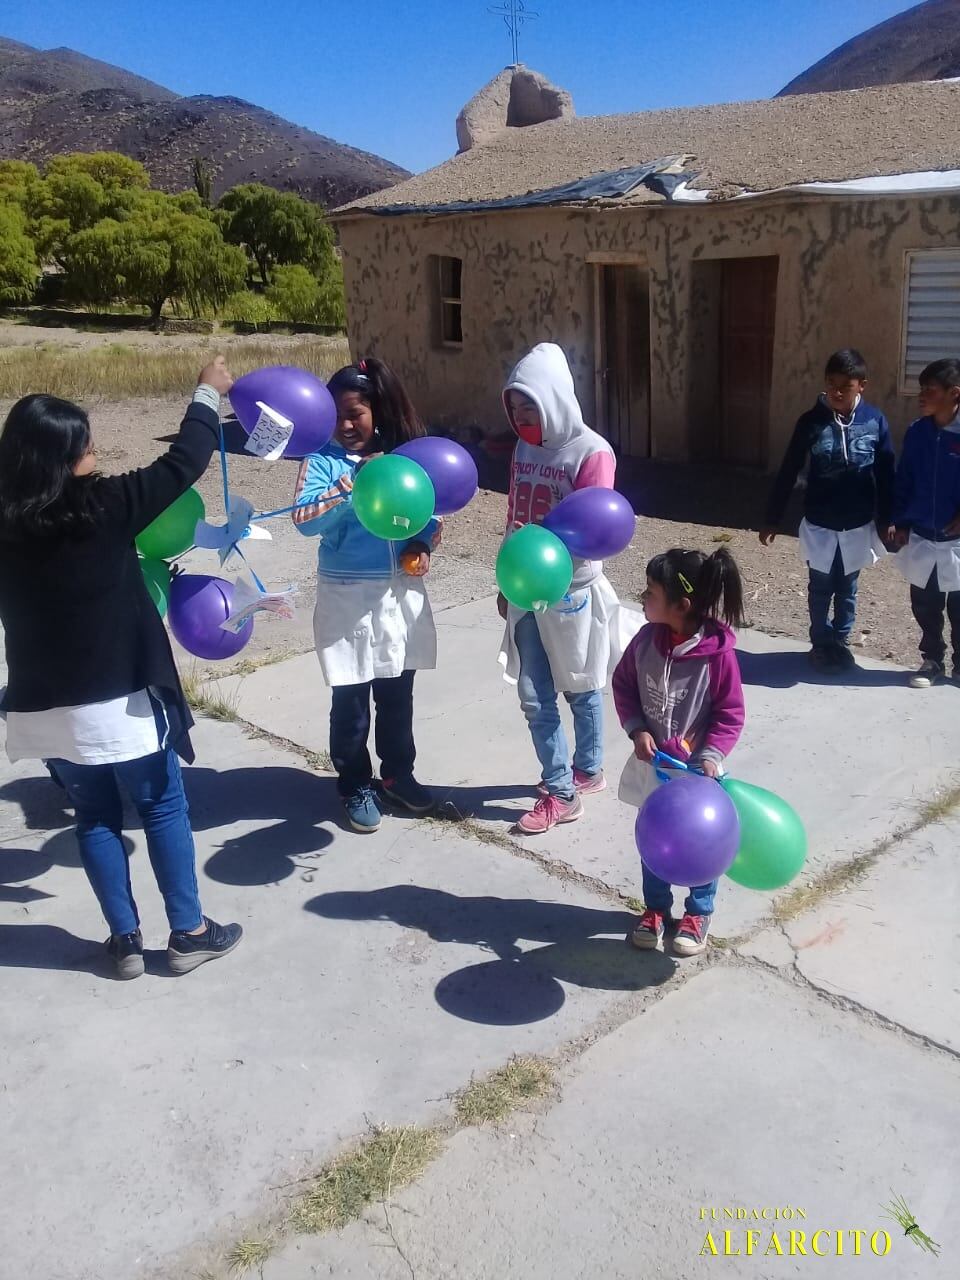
146 1126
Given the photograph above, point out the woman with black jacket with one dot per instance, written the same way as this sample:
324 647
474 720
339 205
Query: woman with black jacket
92 687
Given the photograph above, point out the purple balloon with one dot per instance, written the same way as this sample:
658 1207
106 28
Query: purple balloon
592 523
688 831
198 605
450 468
295 393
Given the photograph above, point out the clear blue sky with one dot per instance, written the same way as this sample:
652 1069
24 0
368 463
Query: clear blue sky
389 76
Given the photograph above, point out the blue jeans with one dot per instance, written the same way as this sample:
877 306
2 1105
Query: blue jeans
658 895
538 698
350 728
841 589
155 785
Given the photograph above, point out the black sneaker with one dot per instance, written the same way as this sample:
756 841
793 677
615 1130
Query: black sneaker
823 658
845 658
408 793
186 951
126 952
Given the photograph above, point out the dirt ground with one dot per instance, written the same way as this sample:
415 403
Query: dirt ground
84 337
676 506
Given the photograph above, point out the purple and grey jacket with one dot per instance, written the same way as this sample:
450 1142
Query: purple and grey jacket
688 697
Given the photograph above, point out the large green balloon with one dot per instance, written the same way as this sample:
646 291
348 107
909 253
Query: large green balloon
172 531
534 569
156 574
773 843
393 497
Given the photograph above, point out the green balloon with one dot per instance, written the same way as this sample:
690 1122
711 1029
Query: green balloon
773 843
156 574
534 569
393 497
172 531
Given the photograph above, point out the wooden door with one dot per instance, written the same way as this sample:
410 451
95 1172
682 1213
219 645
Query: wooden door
747 314
623 357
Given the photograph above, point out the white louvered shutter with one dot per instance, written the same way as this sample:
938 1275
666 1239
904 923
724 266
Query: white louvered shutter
931 321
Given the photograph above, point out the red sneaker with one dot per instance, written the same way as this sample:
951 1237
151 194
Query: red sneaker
548 812
691 937
648 930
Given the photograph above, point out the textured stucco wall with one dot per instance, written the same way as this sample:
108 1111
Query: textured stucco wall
526 279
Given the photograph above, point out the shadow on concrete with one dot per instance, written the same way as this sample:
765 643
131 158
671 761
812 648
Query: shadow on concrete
17 865
787 669
475 802
520 986
46 946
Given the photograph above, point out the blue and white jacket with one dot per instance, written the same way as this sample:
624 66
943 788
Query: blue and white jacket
324 508
927 487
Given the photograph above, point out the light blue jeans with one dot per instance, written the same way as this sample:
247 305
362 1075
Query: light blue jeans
538 698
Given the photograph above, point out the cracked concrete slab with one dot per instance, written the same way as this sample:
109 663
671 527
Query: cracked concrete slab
891 942
475 751
736 1091
377 975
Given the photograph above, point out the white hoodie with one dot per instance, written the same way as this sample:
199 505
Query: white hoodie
571 456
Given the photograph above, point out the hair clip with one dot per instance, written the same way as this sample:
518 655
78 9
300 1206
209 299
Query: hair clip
362 366
685 583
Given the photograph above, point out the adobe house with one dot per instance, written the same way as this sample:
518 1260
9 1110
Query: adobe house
696 265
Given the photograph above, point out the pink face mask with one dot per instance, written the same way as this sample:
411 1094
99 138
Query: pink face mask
529 434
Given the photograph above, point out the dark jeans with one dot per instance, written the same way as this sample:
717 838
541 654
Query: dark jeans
350 728
658 895
927 604
156 788
840 589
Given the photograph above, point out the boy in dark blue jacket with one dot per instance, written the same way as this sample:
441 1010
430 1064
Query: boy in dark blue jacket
848 501
926 512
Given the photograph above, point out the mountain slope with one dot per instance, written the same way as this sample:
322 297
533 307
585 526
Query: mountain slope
57 101
921 44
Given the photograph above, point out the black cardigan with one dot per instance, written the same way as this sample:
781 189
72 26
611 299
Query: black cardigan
80 624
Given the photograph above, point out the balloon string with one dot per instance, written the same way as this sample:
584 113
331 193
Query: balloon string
253 572
661 757
280 511
223 469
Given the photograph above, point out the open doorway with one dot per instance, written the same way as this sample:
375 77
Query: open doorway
622 355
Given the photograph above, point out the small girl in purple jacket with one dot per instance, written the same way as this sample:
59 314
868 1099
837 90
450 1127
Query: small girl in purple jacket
677 690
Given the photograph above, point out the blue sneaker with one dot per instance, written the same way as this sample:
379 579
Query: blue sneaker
408 793
362 812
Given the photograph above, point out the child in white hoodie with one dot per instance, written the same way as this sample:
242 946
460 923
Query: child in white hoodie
567 649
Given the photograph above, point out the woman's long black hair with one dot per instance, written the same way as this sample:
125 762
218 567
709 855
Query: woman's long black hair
712 584
42 441
394 417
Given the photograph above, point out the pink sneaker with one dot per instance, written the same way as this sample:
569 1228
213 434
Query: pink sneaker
586 784
548 812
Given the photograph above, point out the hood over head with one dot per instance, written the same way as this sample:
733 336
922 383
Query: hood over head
544 377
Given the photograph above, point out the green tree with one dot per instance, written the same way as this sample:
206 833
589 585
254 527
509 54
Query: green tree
202 180
19 270
155 255
276 229
301 298
77 191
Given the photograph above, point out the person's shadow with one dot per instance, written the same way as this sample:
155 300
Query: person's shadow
519 986
786 669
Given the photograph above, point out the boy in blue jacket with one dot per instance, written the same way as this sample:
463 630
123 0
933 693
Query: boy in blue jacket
845 444
926 513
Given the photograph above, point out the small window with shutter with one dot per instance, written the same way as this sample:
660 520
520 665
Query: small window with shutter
931 312
450 297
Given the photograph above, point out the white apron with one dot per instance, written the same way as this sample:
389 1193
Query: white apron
859 548
373 630
582 635
918 559
639 780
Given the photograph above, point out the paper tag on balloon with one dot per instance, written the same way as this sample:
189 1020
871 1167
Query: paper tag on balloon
248 600
271 435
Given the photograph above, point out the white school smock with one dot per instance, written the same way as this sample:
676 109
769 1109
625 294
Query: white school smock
111 732
373 629
859 548
918 559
